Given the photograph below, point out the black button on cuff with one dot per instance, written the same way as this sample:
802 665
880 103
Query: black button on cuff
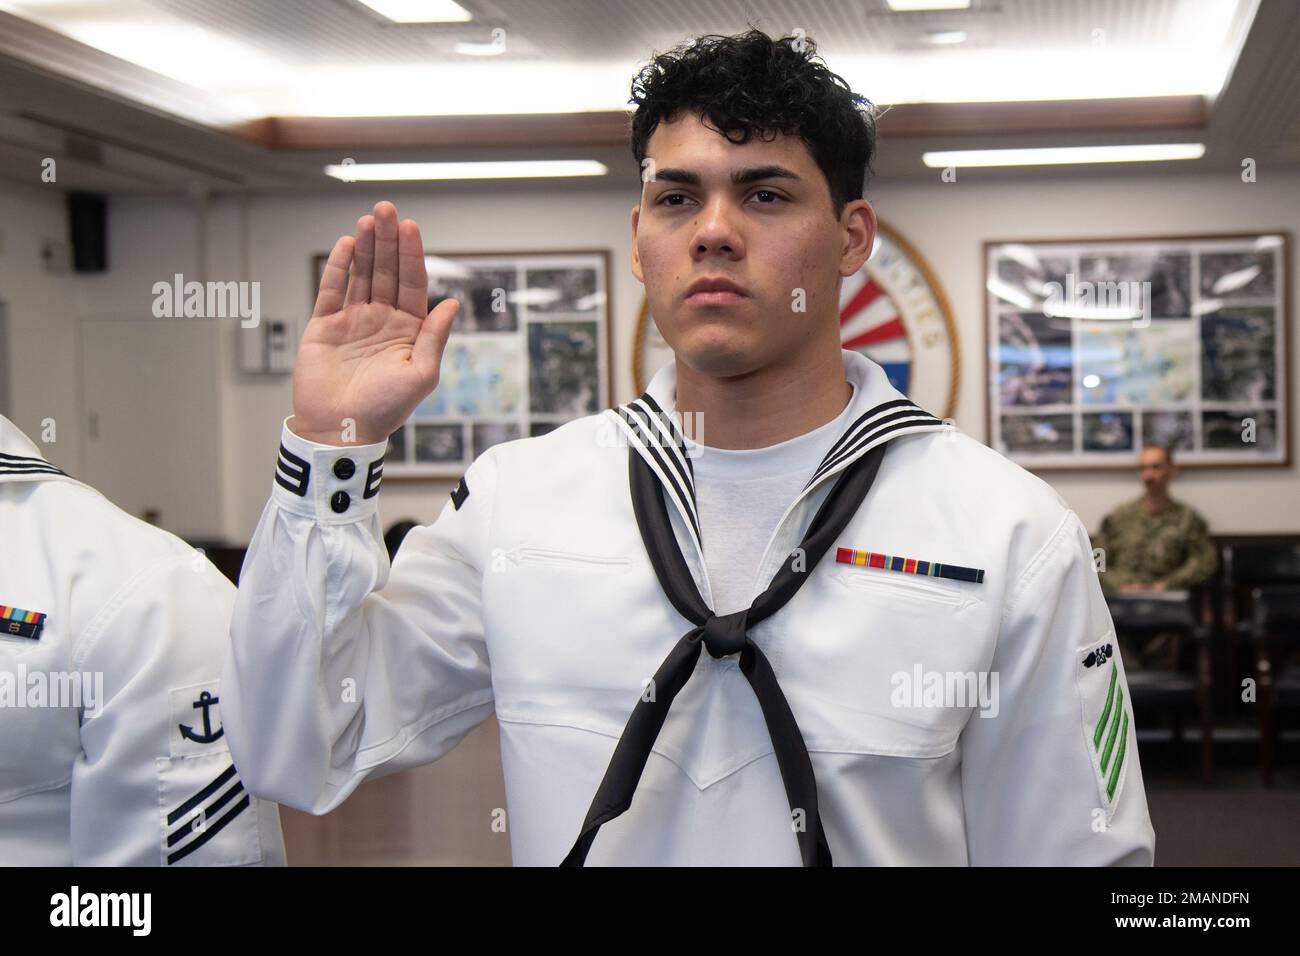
344 469
340 501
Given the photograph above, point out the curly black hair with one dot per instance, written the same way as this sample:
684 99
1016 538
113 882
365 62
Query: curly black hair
751 83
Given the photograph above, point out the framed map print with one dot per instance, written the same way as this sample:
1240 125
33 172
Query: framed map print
1098 347
529 350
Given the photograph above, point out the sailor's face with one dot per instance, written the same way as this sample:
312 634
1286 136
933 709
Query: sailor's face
773 235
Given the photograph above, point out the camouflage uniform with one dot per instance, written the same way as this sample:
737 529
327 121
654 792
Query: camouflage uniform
1173 546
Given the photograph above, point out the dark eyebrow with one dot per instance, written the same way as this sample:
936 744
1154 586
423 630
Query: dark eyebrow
739 177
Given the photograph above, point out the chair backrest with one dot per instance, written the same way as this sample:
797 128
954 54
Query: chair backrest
1150 612
1276 613
1262 564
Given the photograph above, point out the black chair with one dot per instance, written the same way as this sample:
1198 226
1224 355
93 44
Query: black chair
1260 564
1274 627
1251 565
1268 571
1140 616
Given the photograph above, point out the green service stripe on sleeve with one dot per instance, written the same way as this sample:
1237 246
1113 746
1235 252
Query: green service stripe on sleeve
1119 760
1105 714
1114 732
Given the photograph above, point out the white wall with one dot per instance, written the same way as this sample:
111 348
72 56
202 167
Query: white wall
150 238
272 239
42 321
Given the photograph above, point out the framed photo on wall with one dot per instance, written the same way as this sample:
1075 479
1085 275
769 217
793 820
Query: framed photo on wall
1096 347
529 350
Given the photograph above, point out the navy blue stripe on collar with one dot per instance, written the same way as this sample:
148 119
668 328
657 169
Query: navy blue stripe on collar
26 465
658 436
849 432
869 430
656 430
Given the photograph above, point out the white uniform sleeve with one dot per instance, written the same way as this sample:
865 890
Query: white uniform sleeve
1053 778
341 668
145 793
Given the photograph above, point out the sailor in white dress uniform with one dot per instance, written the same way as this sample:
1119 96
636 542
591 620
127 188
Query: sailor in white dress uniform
532 596
113 633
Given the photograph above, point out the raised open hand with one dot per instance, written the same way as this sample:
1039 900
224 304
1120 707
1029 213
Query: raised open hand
370 354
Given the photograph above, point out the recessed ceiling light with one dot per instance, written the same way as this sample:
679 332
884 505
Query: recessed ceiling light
909 6
522 169
946 37
420 11
1078 155
494 47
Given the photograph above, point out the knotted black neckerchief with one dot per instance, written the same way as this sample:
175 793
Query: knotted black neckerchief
723 635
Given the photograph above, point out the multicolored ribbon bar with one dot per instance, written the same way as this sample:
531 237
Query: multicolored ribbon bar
893 562
15 621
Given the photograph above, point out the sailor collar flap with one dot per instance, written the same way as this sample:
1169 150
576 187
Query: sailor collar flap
879 414
19 458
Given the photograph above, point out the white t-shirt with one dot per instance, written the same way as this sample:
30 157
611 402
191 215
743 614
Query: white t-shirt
741 494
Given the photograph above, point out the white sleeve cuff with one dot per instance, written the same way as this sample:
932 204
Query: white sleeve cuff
333 484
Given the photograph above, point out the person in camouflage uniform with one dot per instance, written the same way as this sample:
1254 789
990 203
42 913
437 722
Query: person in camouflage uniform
1154 543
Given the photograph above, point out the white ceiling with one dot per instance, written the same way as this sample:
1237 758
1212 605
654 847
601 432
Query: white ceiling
131 129
338 58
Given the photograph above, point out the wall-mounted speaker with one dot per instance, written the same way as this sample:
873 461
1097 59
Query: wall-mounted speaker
88 227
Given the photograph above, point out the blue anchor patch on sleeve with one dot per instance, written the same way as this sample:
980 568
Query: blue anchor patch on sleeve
205 703
196 720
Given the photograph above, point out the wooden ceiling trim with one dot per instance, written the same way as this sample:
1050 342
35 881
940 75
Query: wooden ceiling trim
610 128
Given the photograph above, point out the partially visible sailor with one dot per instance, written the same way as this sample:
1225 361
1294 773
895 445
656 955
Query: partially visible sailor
112 638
